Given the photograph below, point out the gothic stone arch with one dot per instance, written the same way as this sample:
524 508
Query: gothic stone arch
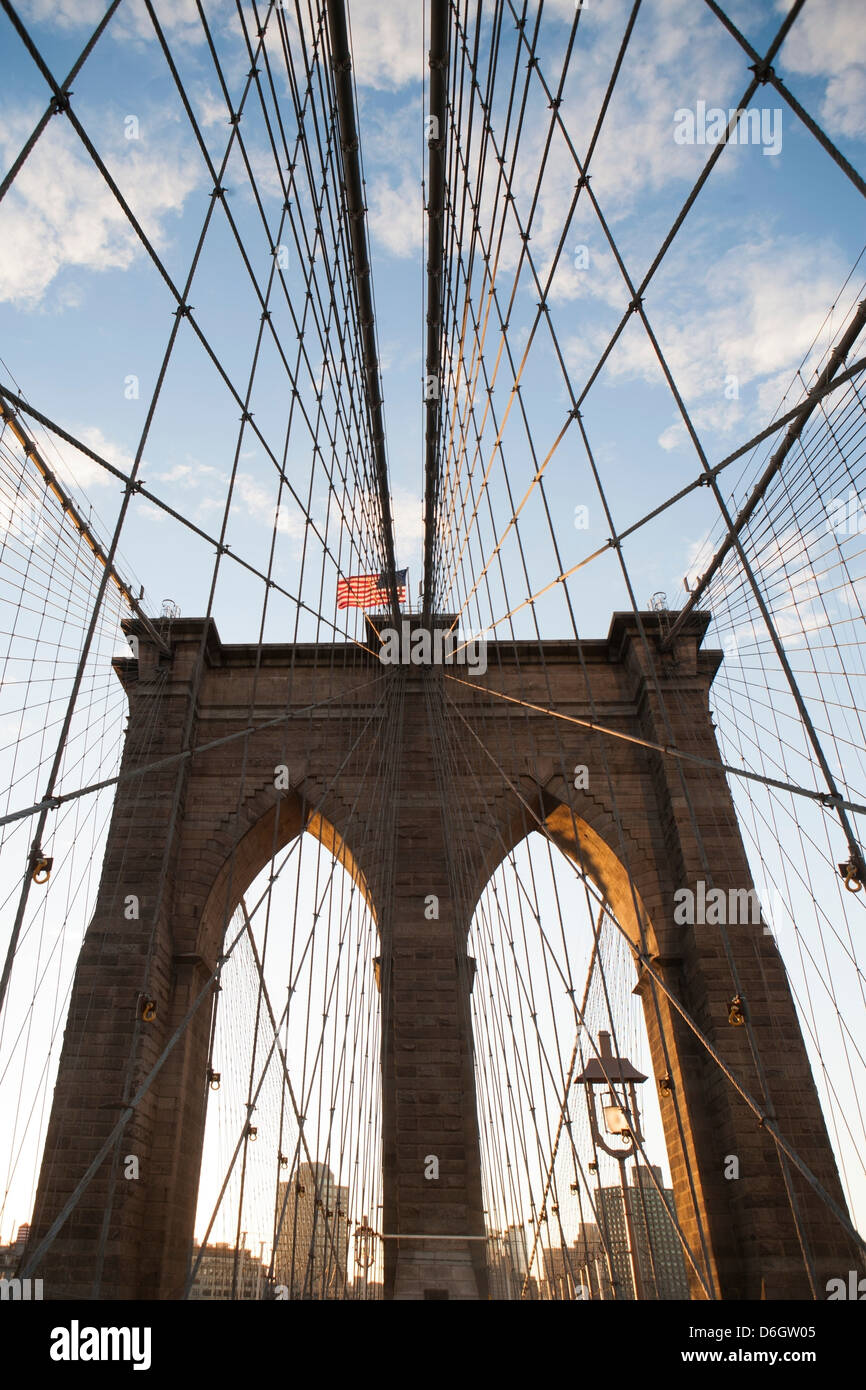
406 832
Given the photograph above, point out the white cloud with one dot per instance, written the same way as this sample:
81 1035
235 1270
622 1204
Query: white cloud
396 215
151 513
700 553
677 54
210 107
60 213
731 327
186 475
260 504
78 470
387 43
761 305
272 181
828 40
178 19
673 436
853 595
586 270
408 519
844 105
391 135
789 583
65 14
81 471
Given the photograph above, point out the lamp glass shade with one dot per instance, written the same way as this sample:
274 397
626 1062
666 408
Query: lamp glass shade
615 1119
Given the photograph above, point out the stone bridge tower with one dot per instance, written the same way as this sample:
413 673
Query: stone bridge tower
191 843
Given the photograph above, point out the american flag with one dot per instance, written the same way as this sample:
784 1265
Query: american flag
368 590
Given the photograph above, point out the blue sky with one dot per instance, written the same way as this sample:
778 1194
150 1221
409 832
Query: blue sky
747 286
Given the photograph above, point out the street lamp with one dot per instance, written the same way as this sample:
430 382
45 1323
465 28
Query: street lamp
621 1120
365 1252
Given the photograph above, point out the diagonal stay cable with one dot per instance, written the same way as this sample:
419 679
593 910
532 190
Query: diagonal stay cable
54 106
634 306
669 750
792 435
616 540
184 309
129 1109
764 1120
767 74
136 486
53 802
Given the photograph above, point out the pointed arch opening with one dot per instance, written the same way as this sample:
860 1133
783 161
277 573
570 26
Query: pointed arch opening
273 823
555 989
291 1171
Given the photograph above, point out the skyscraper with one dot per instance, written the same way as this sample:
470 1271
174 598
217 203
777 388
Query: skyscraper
660 1261
508 1264
311 1251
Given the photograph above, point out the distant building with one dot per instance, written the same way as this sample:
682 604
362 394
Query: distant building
589 1258
311 1252
561 1280
215 1274
660 1261
578 1271
508 1259
582 1270
11 1254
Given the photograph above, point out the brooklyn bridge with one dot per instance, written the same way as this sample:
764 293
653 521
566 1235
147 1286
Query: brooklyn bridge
454 890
